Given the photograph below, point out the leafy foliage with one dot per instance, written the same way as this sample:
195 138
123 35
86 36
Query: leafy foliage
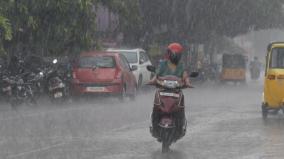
130 20
5 26
69 26
50 26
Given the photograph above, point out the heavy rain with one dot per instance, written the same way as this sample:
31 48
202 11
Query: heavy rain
141 79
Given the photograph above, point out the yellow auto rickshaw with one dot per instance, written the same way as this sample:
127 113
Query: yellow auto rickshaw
273 95
233 68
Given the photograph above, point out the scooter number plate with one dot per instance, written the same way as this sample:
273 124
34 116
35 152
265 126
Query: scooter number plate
166 123
169 94
58 94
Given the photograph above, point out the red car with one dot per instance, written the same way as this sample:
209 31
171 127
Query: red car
103 73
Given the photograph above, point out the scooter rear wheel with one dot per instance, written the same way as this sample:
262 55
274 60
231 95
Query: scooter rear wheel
166 141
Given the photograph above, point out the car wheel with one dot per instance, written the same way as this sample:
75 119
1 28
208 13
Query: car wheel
140 80
122 95
152 75
33 101
134 93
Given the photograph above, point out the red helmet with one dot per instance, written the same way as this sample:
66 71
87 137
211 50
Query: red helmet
175 48
174 52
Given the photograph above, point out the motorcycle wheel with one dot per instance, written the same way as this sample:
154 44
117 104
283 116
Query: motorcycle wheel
33 101
57 101
166 141
133 95
165 147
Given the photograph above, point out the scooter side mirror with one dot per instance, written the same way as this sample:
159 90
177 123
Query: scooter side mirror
193 74
151 68
134 68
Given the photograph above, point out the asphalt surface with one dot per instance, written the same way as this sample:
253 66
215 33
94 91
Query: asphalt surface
224 122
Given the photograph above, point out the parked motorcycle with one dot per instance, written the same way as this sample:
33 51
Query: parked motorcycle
6 89
37 82
57 90
168 118
17 90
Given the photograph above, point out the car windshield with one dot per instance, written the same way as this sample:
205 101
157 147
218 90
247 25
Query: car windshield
277 58
97 61
131 56
233 61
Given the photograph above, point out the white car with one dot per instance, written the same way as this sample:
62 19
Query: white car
138 59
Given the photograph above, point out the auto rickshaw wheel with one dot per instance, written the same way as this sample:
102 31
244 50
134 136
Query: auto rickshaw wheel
264 111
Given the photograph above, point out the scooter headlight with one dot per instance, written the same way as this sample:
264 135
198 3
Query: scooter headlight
171 84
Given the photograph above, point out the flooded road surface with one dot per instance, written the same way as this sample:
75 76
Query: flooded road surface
224 122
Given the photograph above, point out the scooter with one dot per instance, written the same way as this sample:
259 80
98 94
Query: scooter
168 119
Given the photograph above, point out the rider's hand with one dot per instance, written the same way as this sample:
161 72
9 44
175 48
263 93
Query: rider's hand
152 81
188 84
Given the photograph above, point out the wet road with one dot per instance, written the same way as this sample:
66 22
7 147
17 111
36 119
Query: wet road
224 122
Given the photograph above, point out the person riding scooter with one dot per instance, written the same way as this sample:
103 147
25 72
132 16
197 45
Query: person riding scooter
171 66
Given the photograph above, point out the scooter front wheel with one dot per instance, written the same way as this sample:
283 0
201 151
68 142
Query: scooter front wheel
165 147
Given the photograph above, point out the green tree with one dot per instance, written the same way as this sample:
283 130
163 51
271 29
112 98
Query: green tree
5 29
50 26
58 26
